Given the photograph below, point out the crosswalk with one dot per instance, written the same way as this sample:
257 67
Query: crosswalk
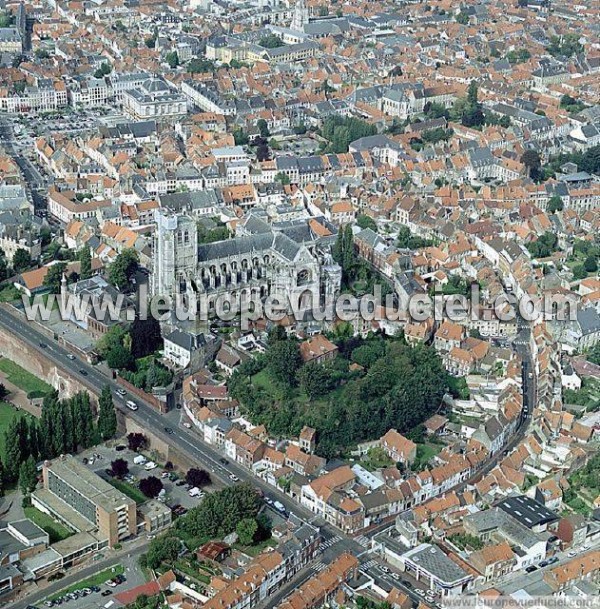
365 542
330 542
369 564
319 566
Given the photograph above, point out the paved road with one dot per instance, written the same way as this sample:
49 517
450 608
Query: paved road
188 443
183 440
124 555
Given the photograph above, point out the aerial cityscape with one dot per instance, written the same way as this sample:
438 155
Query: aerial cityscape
299 304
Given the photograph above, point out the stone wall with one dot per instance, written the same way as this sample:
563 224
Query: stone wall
41 366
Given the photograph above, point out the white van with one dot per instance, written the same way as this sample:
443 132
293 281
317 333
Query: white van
150 465
131 405
140 460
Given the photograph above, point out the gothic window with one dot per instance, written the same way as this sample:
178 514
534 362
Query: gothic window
303 277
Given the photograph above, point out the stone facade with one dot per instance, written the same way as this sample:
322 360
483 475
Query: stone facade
268 263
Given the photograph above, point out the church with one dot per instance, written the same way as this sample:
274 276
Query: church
286 260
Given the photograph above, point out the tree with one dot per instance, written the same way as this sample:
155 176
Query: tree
221 511
555 204
119 468
119 358
54 276
113 348
271 41
146 337
3 391
107 415
6 19
590 264
150 41
3 269
472 93
13 453
151 486
462 18
172 59
531 159
198 66
366 222
283 178
124 268
240 137
579 272
85 261
262 151
314 379
545 245
165 548
21 260
246 530
197 477
27 476
283 361
341 131
104 70
263 128
137 441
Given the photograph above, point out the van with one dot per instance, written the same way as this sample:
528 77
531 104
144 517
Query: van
140 460
131 405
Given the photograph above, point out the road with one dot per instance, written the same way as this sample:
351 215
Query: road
186 442
189 444
100 565
35 181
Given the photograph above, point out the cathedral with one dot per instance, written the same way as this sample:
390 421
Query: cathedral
289 262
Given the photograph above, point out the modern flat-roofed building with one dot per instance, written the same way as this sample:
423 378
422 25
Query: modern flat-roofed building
93 499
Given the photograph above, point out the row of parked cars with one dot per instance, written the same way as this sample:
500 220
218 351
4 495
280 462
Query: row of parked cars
76 594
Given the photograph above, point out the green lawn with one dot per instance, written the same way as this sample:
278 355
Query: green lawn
94 580
127 489
7 414
55 529
263 381
425 452
8 293
23 379
255 550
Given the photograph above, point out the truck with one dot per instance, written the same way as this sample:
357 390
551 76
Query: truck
140 460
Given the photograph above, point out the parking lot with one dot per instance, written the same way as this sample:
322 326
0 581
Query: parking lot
177 491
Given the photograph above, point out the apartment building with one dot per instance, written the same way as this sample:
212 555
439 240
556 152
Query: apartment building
71 487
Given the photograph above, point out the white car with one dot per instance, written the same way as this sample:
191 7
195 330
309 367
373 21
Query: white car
121 391
150 465
70 356
420 592
233 478
187 425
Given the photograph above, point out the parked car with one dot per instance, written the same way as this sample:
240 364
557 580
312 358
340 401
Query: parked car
106 592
